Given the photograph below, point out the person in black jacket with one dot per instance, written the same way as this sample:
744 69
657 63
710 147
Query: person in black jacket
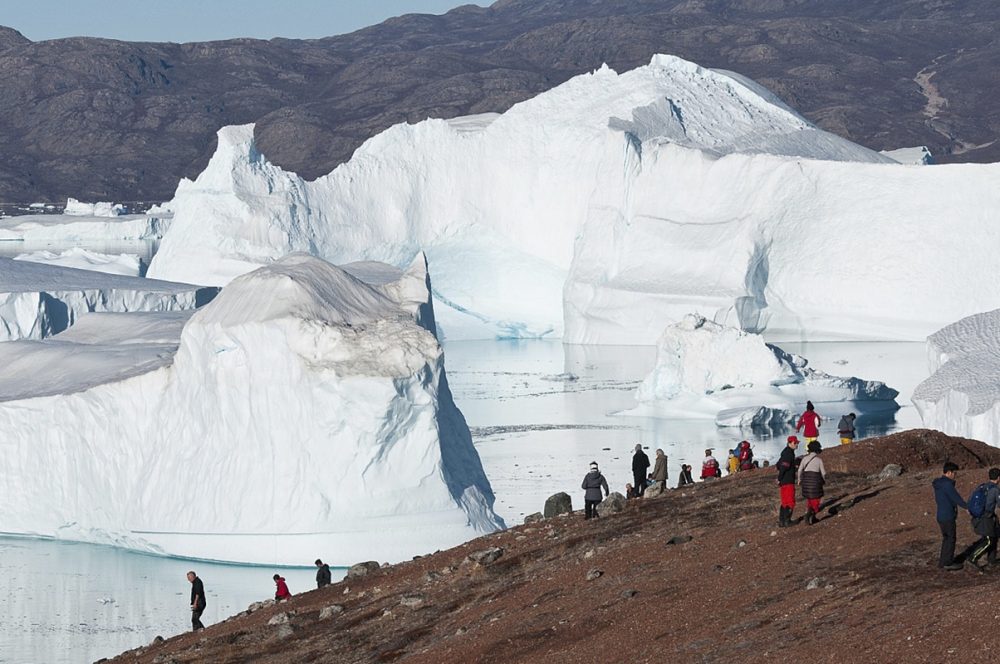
640 462
593 482
322 574
985 525
198 602
948 500
786 482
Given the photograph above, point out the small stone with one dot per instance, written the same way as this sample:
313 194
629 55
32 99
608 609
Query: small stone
679 539
412 601
613 503
891 470
347 590
257 606
594 574
278 619
629 594
284 631
486 556
533 518
330 611
556 504
741 544
520 538
362 569
774 533
431 576
460 631
157 639
590 553
814 583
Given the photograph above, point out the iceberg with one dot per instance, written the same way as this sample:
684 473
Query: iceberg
102 209
708 370
620 202
66 229
962 395
38 301
127 265
304 412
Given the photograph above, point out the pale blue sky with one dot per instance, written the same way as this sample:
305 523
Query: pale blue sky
202 20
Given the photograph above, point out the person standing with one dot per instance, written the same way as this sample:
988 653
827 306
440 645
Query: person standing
198 602
322 574
810 420
281 588
710 467
846 428
732 463
812 477
660 469
593 482
948 501
640 462
984 522
786 482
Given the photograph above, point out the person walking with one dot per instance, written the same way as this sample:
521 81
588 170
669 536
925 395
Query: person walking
198 602
640 462
660 469
593 482
710 467
948 501
281 588
786 482
846 428
982 507
812 477
322 574
810 421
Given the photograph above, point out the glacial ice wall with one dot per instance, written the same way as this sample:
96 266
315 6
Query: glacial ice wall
962 395
305 412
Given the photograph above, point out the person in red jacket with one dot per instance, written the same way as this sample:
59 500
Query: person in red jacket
710 467
281 592
810 420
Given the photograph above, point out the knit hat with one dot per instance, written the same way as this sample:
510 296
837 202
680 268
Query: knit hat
814 447
593 465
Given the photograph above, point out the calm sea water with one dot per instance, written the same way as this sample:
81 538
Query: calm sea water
539 412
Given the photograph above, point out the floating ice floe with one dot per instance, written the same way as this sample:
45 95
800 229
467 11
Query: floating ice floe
962 395
305 412
707 370
102 209
127 265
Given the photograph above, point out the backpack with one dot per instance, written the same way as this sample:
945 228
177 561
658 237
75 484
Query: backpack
746 457
977 501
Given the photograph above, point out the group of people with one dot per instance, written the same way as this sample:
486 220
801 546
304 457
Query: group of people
281 591
981 505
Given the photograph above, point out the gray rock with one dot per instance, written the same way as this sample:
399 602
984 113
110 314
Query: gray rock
157 639
891 470
679 539
486 556
257 606
629 594
814 583
653 491
533 518
330 611
284 631
279 619
362 569
557 504
594 574
412 601
613 503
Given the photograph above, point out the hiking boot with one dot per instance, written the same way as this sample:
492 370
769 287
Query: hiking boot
953 567
782 518
811 517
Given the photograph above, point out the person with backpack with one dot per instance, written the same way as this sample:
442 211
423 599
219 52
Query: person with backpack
982 509
948 501
710 467
660 469
640 462
745 455
593 482
786 482
846 428
812 477
281 591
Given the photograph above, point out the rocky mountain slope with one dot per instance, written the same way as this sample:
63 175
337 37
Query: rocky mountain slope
701 574
104 119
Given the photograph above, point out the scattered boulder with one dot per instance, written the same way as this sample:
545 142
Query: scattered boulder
284 631
630 593
653 491
556 504
679 539
279 619
814 583
414 601
330 611
362 569
533 518
257 606
157 639
594 574
613 503
486 556
891 470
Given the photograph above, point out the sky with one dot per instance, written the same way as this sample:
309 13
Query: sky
204 20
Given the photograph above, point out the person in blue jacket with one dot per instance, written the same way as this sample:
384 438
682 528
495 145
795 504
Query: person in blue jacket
948 501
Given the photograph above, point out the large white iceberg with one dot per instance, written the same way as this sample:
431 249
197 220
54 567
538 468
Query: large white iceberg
704 369
64 229
305 412
38 301
620 202
103 209
127 265
962 395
